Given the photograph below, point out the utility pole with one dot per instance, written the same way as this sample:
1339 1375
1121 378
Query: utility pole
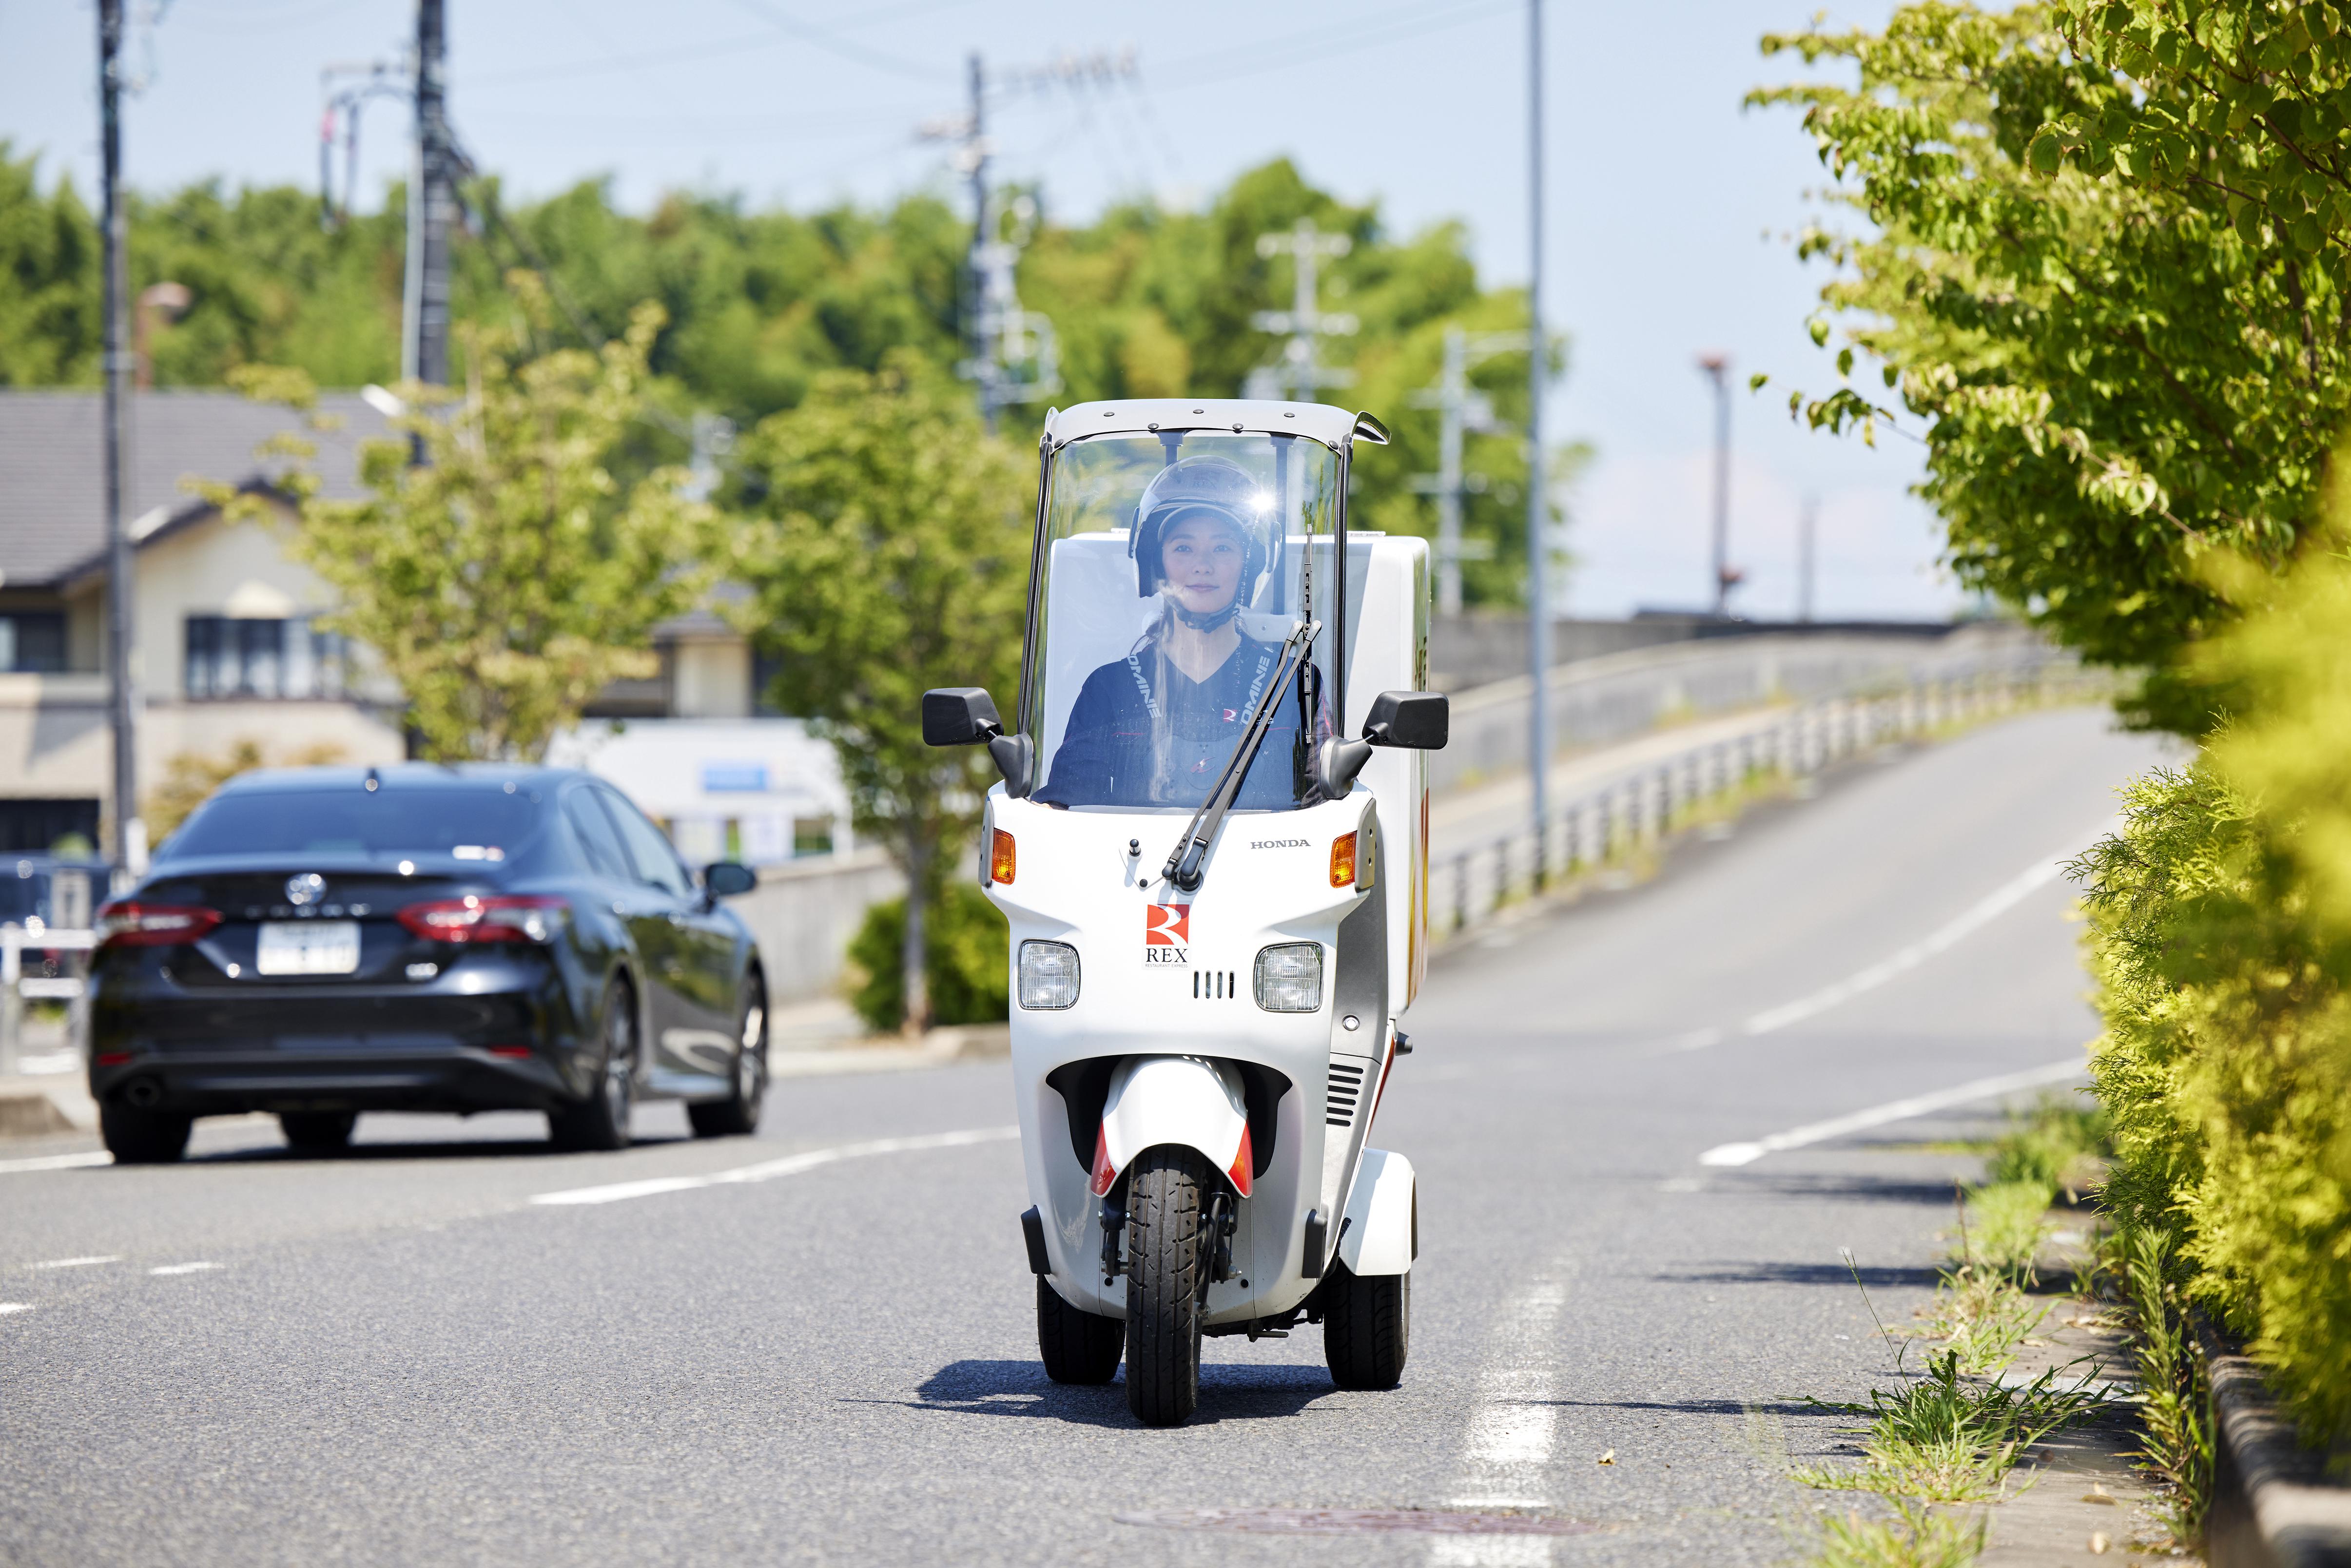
128 834
1807 525
432 209
1538 510
999 335
1461 409
1717 369
1302 374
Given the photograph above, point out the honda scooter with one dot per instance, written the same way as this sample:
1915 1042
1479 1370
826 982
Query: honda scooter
1211 843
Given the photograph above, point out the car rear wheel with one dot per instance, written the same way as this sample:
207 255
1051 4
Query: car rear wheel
137 1137
738 1115
601 1120
318 1131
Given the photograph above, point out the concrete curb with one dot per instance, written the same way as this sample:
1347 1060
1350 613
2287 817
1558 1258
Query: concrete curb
2273 1505
955 1042
35 1106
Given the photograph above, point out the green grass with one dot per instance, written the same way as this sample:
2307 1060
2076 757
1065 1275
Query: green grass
1948 1437
2002 1226
2059 1144
1917 1537
1982 1316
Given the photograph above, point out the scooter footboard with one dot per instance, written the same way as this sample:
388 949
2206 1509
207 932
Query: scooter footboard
1380 1228
1182 1100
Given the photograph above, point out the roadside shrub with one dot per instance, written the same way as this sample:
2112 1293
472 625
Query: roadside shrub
967 959
2220 934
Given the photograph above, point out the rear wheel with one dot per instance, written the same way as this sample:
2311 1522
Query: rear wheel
1078 1346
738 1115
1166 1277
601 1120
318 1131
1366 1327
137 1137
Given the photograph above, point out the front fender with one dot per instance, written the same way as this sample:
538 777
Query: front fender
1186 1101
1380 1233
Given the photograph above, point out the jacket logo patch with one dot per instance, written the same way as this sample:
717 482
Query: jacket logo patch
1166 931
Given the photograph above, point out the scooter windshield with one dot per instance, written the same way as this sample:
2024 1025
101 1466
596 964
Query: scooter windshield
1175 567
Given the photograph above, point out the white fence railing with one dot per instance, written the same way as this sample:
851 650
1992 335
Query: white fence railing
1611 823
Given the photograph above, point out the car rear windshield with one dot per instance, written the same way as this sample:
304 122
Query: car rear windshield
483 824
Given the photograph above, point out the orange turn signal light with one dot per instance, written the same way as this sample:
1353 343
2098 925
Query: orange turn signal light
1343 861
1001 861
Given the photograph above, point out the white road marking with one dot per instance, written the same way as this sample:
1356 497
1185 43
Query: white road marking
2001 900
768 1170
184 1267
1511 1436
79 1262
57 1161
1900 1109
8 1307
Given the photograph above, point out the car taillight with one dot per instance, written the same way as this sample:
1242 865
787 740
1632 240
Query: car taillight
126 922
504 918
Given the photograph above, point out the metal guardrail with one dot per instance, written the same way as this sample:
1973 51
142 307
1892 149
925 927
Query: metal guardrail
1611 824
17 988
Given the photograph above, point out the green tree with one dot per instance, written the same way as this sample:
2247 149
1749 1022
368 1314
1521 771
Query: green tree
887 552
510 576
2114 378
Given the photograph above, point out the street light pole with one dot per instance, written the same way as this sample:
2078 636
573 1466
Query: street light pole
1717 369
431 208
128 839
1537 540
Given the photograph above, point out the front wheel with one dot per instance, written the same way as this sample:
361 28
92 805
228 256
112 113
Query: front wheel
601 1120
1078 1346
738 1115
1366 1327
1166 1264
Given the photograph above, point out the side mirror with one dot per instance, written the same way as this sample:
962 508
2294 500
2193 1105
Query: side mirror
1410 721
728 879
959 716
966 716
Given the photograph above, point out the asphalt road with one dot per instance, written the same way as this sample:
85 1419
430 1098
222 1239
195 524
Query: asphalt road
397 1357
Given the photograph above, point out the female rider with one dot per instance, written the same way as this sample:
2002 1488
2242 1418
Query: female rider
1157 728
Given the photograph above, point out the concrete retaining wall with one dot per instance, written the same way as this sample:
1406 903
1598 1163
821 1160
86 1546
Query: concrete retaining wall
805 915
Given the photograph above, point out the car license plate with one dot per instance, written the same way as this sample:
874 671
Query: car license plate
311 947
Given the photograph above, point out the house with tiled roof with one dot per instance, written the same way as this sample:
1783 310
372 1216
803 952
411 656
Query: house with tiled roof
228 645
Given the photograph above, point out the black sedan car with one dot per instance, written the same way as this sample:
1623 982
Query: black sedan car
317 942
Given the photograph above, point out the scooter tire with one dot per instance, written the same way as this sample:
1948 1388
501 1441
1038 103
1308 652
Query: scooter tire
1165 1256
1078 1346
1366 1327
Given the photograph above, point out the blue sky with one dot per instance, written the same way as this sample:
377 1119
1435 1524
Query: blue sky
1668 203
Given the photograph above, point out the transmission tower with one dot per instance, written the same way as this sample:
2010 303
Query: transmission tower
1301 374
1461 409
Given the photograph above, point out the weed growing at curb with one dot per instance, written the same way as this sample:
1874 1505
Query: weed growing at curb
1917 1537
2176 1405
1947 1437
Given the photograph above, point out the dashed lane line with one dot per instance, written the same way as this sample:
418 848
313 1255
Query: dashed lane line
196 1268
1898 1111
1511 1437
79 1262
8 1307
769 1170
1983 912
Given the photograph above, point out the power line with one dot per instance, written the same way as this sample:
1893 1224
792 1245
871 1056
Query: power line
824 40
1275 53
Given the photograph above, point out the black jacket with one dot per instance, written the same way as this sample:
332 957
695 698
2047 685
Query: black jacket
1143 733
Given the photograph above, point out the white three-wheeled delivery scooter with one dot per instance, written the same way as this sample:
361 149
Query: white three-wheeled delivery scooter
1218 895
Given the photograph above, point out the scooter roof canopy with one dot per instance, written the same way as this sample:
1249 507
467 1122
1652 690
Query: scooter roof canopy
1332 427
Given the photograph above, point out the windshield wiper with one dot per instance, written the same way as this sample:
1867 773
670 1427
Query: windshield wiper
1185 865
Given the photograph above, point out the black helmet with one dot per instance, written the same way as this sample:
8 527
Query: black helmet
1216 484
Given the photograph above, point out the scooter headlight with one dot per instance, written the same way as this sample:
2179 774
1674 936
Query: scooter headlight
1290 977
1049 976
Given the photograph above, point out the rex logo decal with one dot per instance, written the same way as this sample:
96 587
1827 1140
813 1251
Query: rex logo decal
1166 932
